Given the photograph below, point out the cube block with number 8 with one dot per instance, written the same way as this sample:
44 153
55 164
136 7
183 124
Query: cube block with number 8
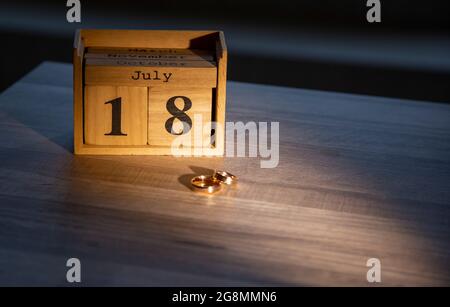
184 107
142 92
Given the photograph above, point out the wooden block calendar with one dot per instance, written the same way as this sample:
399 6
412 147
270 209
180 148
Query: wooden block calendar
139 92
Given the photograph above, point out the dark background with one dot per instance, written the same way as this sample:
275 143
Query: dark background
325 45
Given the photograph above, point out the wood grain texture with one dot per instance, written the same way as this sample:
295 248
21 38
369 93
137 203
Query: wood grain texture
99 113
78 93
358 177
148 39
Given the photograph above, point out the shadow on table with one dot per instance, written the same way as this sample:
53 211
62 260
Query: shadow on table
185 179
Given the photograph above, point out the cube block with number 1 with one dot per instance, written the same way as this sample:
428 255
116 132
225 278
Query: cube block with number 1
115 115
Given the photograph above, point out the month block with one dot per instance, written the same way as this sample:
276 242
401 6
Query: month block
167 73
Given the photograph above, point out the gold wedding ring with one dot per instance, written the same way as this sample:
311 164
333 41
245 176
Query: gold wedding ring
206 184
224 177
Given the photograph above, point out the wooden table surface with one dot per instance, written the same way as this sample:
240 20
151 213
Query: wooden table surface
359 177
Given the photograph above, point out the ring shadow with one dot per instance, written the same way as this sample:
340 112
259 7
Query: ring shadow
185 179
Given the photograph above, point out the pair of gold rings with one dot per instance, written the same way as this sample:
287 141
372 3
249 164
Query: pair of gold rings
211 184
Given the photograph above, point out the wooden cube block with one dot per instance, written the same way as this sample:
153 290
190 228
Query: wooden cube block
173 113
115 115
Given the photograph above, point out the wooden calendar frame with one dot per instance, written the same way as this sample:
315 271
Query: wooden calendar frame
210 40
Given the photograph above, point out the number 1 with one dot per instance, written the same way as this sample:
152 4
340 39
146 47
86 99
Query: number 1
116 122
